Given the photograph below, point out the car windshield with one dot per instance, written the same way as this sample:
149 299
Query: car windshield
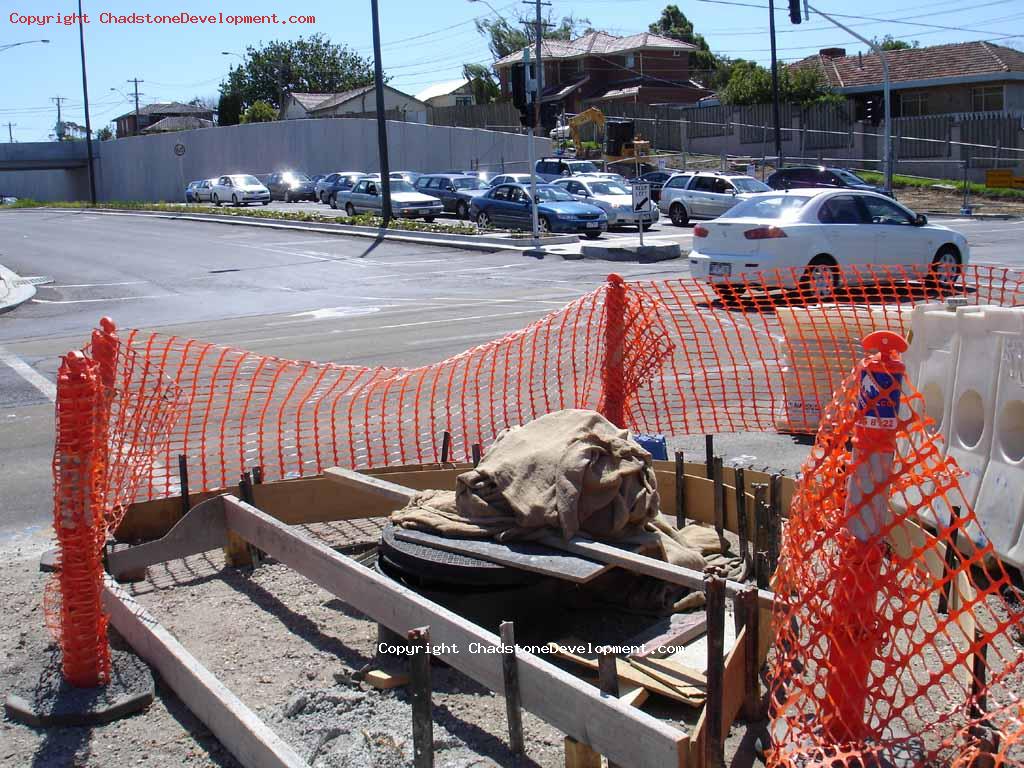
607 188
401 186
773 207
850 178
469 184
248 181
299 177
552 195
583 167
750 185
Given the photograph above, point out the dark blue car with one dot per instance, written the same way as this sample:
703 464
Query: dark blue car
509 205
455 190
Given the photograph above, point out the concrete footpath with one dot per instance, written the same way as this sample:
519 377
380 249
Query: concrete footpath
14 289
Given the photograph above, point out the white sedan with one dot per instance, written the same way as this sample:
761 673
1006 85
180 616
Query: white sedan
814 238
616 200
239 189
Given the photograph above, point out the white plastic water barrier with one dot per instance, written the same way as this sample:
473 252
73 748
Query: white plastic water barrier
969 366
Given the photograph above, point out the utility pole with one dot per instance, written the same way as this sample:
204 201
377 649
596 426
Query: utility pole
775 87
382 124
10 132
85 101
538 87
135 81
58 99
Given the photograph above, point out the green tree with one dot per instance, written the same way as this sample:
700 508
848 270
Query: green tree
229 109
312 64
481 80
750 83
505 37
105 133
673 24
259 112
890 43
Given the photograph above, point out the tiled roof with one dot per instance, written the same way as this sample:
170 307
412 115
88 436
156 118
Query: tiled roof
310 100
599 44
334 99
178 123
167 108
957 60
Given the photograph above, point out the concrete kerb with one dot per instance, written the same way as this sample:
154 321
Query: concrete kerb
477 243
13 290
630 250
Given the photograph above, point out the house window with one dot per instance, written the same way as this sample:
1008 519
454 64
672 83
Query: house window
630 60
987 98
913 104
463 101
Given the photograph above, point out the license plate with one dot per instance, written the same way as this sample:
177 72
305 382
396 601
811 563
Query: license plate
593 224
424 211
720 270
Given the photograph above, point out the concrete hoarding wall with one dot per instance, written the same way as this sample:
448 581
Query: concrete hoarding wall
147 167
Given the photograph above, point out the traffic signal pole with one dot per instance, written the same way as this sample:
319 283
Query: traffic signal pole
531 153
775 86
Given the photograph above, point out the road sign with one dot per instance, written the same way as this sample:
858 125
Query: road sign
179 149
642 205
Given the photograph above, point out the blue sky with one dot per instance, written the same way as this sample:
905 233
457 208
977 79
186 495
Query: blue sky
425 41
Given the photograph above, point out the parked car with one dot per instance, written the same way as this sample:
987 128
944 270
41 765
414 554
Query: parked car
820 233
510 205
190 190
290 186
618 178
705 195
817 176
239 189
203 193
657 180
616 200
345 181
455 192
509 178
405 200
551 168
409 176
317 177
321 186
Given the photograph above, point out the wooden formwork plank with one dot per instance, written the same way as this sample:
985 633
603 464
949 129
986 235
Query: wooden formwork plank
245 736
613 728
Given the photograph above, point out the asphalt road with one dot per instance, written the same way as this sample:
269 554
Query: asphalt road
297 295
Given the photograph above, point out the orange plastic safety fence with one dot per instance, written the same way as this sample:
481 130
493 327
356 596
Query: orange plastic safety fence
884 653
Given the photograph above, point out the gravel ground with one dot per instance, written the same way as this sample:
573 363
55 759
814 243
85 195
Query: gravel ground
292 653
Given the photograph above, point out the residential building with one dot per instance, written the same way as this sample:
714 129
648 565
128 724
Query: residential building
598 67
182 123
452 93
355 102
958 78
129 125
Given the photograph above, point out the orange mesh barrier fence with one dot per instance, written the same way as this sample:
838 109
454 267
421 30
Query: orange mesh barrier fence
669 356
887 653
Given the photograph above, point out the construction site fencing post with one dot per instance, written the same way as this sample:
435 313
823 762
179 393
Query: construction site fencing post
79 524
612 373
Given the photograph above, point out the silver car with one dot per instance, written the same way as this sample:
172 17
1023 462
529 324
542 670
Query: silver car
615 199
705 195
406 202
239 189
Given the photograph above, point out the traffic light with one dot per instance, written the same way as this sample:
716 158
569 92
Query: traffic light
794 11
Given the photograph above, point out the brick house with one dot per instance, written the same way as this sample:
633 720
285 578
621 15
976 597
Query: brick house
597 68
941 79
151 114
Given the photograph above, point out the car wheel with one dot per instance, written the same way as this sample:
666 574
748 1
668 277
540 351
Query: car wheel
266 202
591 235
216 201
428 219
820 279
462 211
945 268
729 294
332 201
349 210
234 200
544 225
483 220
322 198
679 215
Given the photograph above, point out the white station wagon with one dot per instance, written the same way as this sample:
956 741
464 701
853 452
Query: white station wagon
813 235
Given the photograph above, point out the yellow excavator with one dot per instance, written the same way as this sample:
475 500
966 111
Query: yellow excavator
616 147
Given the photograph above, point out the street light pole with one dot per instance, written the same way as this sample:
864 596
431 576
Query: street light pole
775 86
382 123
8 46
85 101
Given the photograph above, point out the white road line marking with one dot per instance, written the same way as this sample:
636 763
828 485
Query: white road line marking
29 374
96 301
98 285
